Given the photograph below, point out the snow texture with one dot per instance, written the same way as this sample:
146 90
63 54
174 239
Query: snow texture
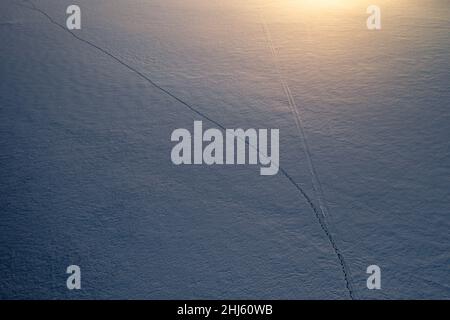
85 170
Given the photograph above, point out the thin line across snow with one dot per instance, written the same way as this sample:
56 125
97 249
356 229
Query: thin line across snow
203 115
317 187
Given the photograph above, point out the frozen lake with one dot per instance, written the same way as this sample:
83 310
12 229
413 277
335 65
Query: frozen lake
86 176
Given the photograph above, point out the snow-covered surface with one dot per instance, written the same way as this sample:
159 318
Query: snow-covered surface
85 170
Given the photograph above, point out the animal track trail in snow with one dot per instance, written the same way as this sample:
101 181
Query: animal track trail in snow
317 186
319 213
